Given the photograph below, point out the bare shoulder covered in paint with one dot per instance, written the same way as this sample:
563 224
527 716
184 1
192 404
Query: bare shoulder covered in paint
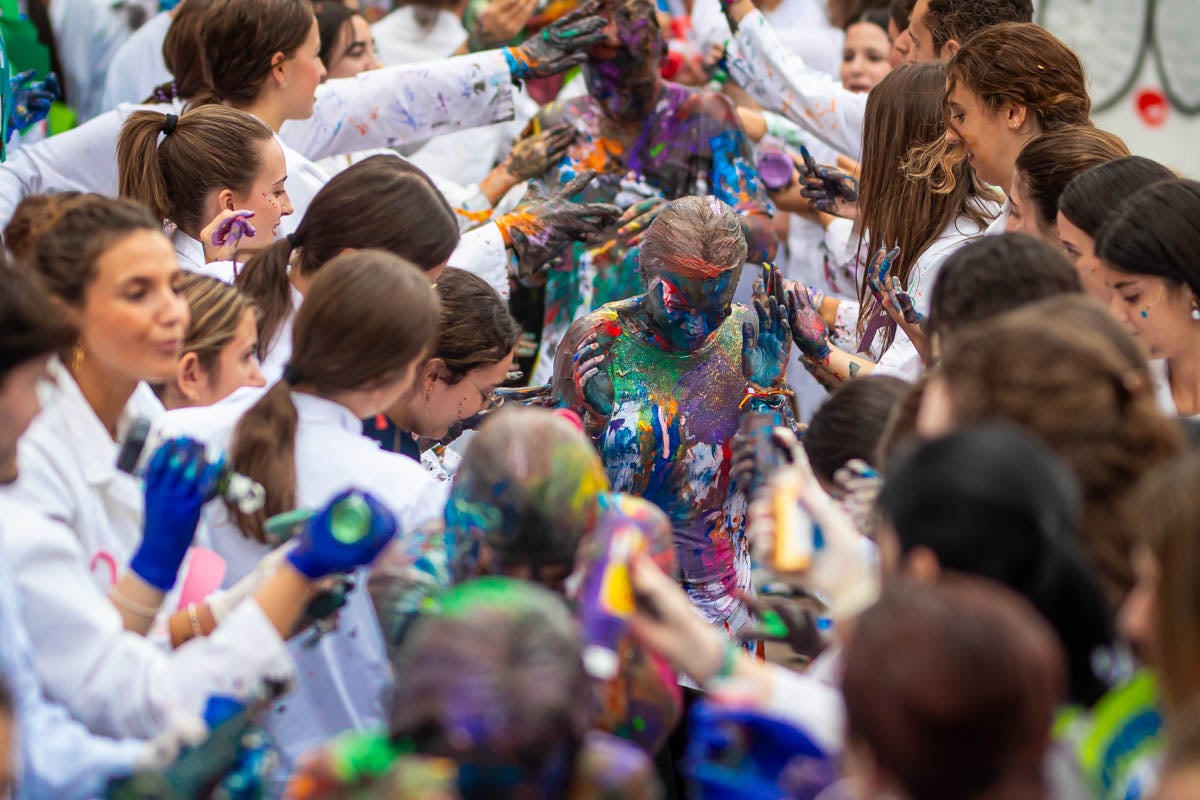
606 324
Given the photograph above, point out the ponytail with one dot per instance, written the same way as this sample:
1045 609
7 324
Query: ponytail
264 279
264 448
366 319
206 149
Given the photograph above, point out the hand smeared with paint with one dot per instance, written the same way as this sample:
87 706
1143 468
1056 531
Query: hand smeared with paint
593 386
828 188
31 99
878 279
221 236
843 570
532 156
561 45
809 331
542 228
765 351
500 21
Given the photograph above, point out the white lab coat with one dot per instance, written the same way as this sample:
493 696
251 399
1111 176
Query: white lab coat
68 473
901 358
802 25
188 251
781 81
137 68
116 682
374 109
343 680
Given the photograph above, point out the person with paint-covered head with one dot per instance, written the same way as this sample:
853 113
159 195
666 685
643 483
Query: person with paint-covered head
215 174
650 142
489 682
1155 283
663 381
531 501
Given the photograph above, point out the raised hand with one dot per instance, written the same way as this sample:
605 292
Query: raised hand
895 298
348 533
593 387
532 156
829 189
809 331
559 46
541 229
225 232
878 278
765 351
179 481
856 487
792 620
499 22
31 100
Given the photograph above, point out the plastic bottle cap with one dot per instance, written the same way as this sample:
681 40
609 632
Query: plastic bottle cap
351 520
600 662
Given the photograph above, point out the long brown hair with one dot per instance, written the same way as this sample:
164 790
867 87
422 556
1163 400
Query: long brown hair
181 54
1068 372
240 37
905 111
35 215
382 202
211 148
1014 62
366 318
1165 511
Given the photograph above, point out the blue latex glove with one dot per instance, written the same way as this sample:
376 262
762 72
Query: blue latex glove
323 549
179 481
31 99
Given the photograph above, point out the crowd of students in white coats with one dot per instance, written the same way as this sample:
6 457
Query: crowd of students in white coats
910 511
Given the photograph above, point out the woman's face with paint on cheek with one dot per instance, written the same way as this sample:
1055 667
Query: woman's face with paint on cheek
267 197
622 73
687 311
1156 311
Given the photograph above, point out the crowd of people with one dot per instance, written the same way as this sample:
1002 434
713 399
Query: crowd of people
587 399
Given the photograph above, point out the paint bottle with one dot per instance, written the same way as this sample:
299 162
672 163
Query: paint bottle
794 531
606 601
775 166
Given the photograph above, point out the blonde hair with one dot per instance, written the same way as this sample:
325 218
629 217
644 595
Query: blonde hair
217 308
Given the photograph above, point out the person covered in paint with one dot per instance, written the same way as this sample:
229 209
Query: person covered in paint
527 503
650 141
489 680
663 380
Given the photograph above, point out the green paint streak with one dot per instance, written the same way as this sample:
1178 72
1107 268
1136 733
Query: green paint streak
773 625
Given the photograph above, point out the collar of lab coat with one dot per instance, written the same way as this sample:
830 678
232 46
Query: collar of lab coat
320 411
94 448
189 251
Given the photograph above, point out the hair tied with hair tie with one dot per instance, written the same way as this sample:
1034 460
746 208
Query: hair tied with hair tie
293 242
169 125
291 374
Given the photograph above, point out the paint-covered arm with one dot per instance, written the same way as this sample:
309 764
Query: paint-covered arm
735 178
781 81
404 104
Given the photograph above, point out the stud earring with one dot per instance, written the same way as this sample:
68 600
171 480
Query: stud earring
1196 313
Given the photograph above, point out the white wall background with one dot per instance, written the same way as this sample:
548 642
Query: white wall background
1143 64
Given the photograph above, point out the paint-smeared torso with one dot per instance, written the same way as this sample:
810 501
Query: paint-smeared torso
668 440
691 144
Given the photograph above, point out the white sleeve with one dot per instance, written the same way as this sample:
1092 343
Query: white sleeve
82 159
404 104
780 80
811 704
482 252
901 359
116 682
